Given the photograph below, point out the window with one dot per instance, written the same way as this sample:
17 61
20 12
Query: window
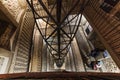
111 2
107 5
3 64
87 30
117 15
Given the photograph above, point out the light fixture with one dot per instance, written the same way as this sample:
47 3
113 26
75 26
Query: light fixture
62 22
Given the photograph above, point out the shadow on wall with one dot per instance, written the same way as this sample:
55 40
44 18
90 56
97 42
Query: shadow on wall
6 32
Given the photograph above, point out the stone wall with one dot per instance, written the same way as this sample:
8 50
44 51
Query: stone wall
12 6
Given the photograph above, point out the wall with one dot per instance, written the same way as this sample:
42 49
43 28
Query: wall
14 7
7 55
6 32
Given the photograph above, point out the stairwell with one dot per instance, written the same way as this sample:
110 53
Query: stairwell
23 47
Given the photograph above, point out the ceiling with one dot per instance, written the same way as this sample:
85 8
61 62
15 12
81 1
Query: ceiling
3 17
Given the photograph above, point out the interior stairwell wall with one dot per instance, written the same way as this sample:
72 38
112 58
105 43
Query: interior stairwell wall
23 46
36 59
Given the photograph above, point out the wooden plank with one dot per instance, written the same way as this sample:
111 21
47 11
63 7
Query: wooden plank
117 50
110 28
116 43
113 33
41 75
103 26
113 39
108 47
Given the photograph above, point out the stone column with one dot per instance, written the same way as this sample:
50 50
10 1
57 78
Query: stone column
36 57
78 59
44 58
48 61
51 64
72 60
67 63
40 53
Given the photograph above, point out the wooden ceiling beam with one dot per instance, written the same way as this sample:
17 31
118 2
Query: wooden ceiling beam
64 74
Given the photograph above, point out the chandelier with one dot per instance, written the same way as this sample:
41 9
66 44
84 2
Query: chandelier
62 19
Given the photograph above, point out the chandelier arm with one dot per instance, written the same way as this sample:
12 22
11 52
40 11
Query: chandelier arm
67 20
52 42
53 55
37 24
69 23
64 41
81 10
48 18
44 7
77 2
60 52
65 33
43 19
84 5
58 15
74 33
71 20
43 36
46 27
78 25
58 11
51 34
65 47
70 28
75 26
33 10
51 52
68 48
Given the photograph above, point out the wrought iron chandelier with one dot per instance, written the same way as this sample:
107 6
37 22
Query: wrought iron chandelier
62 19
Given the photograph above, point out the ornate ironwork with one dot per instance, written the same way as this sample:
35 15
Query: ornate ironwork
61 22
